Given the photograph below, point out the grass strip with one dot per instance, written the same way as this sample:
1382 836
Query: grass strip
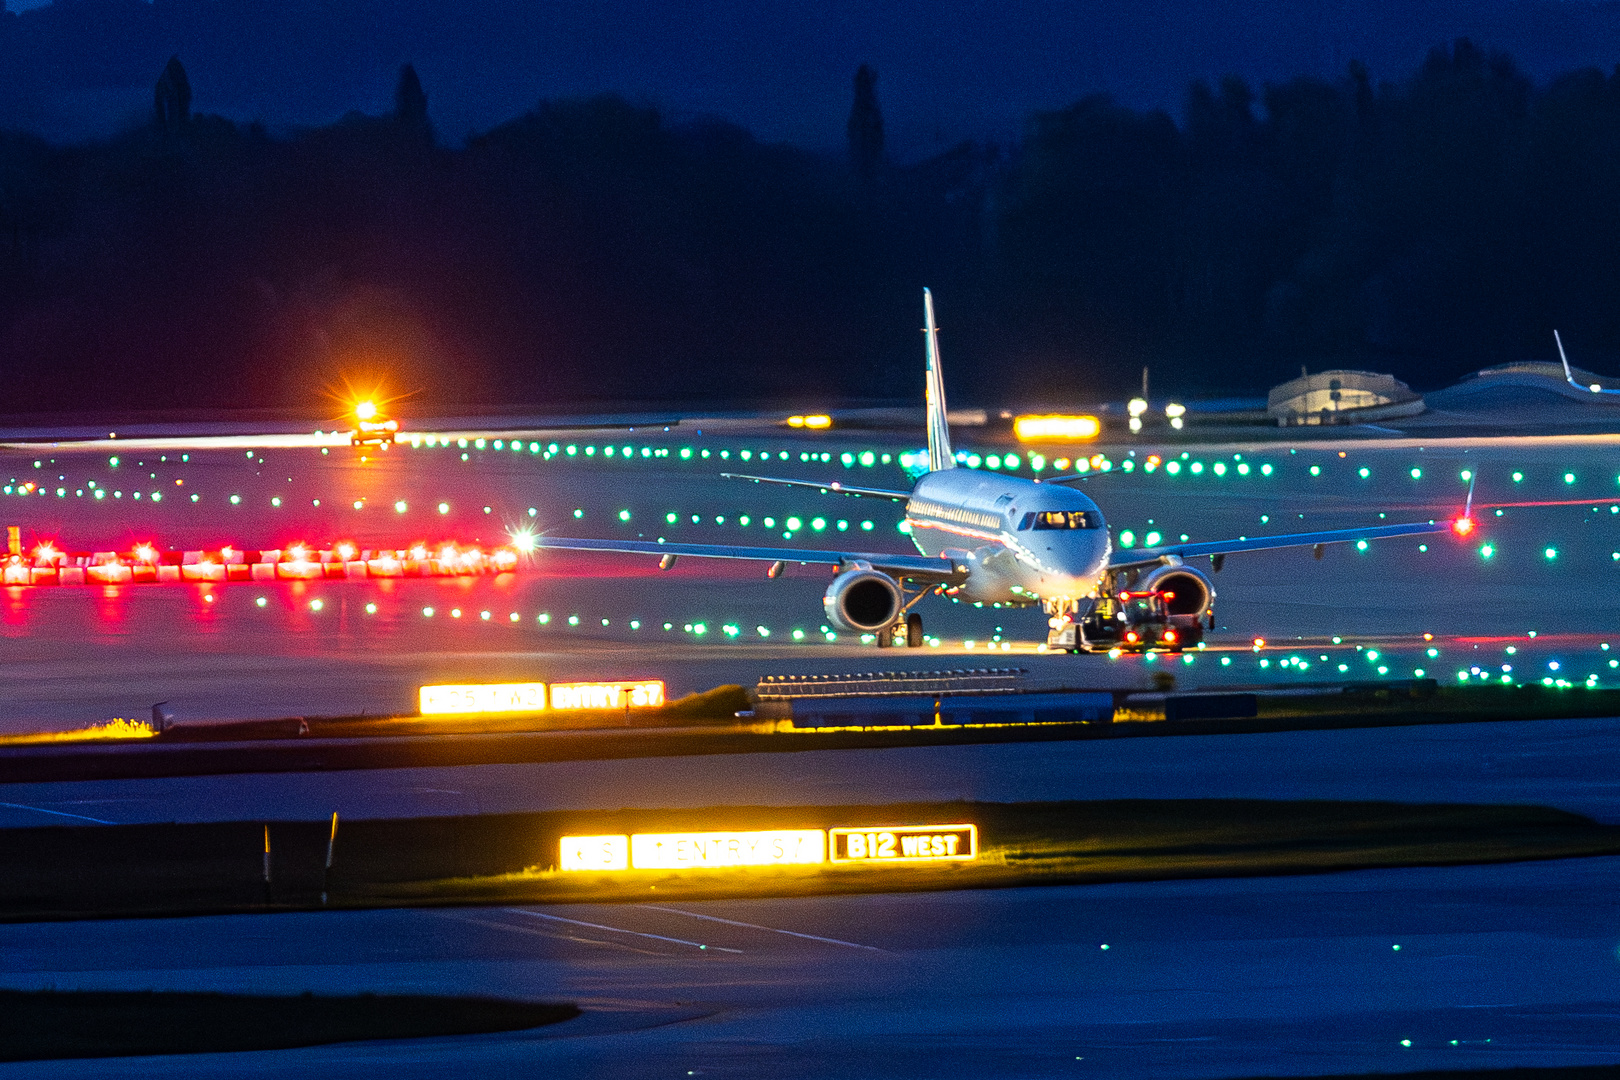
48 1024
73 871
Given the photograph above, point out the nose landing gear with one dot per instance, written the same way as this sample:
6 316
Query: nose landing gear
907 633
1065 634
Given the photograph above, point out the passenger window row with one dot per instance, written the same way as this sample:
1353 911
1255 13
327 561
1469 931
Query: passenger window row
1061 519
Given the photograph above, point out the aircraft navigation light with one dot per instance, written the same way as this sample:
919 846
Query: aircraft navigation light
1463 526
1055 428
366 410
523 540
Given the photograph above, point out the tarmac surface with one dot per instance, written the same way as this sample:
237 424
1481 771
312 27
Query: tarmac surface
1469 967
1201 979
1571 765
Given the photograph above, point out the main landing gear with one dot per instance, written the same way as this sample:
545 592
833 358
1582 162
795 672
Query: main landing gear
907 633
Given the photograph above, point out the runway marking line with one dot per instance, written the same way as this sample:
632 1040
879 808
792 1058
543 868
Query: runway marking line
510 929
617 930
58 813
756 926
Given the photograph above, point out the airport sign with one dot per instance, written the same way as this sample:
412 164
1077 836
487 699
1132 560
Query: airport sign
770 847
646 694
482 699
905 843
595 853
703 850
478 699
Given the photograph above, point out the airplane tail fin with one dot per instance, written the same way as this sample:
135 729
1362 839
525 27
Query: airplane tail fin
1569 376
939 431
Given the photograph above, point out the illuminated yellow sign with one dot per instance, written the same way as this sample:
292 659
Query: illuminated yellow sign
607 695
906 843
486 698
815 423
1035 428
595 853
770 847
701 850
480 698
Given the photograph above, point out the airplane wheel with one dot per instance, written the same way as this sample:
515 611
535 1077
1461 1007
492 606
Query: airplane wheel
885 637
914 631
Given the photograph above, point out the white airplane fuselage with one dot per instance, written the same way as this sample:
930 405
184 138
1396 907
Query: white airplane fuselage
1004 528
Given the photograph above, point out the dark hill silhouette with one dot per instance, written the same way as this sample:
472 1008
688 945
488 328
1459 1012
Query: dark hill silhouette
592 249
953 69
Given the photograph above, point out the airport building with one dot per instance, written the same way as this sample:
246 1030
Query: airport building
1341 397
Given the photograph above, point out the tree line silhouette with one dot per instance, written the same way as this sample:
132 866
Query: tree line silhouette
589 251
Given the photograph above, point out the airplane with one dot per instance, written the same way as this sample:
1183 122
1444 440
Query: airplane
991 538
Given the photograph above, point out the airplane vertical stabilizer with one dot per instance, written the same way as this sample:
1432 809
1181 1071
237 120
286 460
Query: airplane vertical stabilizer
939 431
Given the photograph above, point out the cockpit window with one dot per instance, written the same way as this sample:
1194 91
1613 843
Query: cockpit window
1061 519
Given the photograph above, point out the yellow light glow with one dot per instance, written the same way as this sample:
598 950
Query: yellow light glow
607 695
1047 428
118 728
1173 410
1136 406
595 853
816 423
715 850
905 843
366 410
474 699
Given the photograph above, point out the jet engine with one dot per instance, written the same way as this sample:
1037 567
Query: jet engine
862 600
1190 592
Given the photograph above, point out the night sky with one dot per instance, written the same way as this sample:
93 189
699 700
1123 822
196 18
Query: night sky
949 69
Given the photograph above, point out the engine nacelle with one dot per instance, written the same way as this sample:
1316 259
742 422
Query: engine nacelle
862 600
1191 593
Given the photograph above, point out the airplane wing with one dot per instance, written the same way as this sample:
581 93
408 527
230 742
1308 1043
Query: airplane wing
921 568
1144 556
833 486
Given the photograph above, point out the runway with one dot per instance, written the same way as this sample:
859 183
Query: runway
248 649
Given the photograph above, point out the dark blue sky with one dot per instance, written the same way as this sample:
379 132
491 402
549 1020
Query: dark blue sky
949 69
